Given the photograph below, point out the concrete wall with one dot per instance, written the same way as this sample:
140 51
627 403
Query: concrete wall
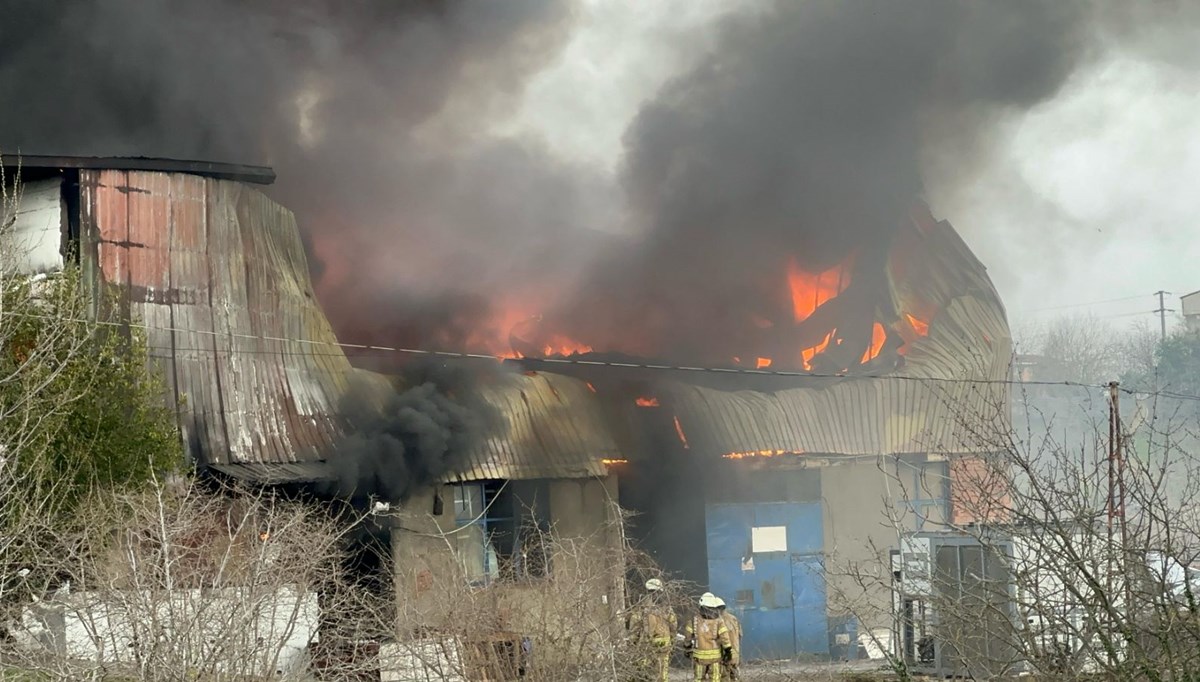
865 510
586 576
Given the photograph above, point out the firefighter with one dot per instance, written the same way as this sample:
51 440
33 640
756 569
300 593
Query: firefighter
708 640
735 641
653 626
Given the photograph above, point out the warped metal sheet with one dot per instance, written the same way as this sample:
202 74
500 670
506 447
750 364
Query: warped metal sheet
947 398
554 429
217 273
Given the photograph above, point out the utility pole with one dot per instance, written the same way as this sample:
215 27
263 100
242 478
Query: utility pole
1162 312
1116 491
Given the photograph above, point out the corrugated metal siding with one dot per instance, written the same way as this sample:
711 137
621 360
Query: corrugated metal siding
555 430
942 400
552 427
212 267
36 235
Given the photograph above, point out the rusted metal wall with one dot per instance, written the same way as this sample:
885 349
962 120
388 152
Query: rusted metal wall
949 396
217 272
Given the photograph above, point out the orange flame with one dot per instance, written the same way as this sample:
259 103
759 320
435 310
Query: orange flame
647 401
614 461
761 453
878 337
564 346
810 291
763 363
919 326
679 430
808 354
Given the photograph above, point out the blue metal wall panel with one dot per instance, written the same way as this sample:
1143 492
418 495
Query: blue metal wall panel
767 635
805 531
810 623
782 605
727 528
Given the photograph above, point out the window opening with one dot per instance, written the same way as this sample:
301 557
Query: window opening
502 534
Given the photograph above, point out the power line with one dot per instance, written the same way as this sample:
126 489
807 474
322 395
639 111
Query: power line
1087 303
554 360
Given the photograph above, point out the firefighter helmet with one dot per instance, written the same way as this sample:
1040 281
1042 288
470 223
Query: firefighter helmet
709 600
654 585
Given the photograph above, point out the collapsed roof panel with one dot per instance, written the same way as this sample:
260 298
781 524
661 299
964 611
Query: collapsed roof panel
948 395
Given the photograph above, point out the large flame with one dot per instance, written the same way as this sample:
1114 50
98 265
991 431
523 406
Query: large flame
810 291
807 292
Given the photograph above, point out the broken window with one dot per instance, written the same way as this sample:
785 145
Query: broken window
504 529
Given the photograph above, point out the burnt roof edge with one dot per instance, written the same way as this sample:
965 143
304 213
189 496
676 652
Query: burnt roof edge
259 175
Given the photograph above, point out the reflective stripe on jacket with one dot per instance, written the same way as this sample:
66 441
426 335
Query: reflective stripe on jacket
709 636
655 623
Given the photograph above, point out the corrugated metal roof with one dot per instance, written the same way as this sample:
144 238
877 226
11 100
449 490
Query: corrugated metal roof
942 400
261 175
555 430
553 427
275 473
213 267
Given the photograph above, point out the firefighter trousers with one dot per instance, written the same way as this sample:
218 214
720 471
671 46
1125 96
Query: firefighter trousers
708 670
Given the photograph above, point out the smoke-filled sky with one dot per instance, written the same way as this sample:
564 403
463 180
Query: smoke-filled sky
446 158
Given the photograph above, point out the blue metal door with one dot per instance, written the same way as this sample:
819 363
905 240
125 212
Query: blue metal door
760 587
810 621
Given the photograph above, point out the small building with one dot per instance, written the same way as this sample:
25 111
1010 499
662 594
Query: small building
1189 304
525 543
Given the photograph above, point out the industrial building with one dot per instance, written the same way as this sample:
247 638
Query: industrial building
754 486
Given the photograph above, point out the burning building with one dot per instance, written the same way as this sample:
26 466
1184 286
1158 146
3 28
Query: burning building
760 478
216 274
778 452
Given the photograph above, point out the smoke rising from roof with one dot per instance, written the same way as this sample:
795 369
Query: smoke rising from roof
412 437
374 115
804 133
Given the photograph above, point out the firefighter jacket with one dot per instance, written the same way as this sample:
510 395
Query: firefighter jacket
654 623
708 637
735 634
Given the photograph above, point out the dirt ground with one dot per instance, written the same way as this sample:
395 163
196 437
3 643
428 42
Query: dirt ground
791 671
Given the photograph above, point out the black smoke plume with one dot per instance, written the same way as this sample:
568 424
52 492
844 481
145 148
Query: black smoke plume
374 115
398 441
804 134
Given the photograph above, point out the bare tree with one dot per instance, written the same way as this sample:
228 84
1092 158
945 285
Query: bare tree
80 412
565 620
181 582
1079 562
